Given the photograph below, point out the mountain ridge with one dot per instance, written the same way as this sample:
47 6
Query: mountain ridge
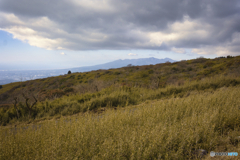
122 63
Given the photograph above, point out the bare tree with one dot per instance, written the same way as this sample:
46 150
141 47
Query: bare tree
30 107
15 106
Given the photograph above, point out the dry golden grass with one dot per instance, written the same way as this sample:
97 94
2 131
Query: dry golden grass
166 129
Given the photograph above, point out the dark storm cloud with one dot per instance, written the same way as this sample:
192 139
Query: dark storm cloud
125 24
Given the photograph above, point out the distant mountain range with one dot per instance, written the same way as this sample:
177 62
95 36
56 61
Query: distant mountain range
15 76
122 63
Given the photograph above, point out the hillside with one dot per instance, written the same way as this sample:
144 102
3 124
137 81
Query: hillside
151 76
160 111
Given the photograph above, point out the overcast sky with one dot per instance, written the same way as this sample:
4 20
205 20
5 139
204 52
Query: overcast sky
47 34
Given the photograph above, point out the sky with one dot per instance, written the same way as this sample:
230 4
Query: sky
58 34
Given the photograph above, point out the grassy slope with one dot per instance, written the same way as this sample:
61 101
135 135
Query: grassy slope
170 128
79 92
169 111
114 96
152 76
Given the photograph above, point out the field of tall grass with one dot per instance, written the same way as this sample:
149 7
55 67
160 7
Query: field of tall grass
173 127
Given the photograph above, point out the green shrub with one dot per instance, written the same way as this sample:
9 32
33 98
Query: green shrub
69 89
175 69
54 93
199 60
117 73
150 71
206 72
144 75
63 80
4 96
209 63
85 97
189 69
5 118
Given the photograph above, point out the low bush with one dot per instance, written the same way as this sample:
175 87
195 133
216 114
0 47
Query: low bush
4 96
68 89
199 60
54 93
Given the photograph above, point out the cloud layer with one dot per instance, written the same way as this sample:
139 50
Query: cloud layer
205 27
